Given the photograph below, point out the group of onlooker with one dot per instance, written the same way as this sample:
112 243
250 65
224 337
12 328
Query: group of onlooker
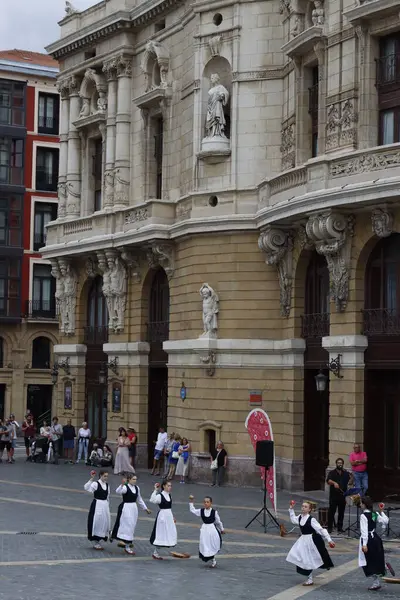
8 438
171 455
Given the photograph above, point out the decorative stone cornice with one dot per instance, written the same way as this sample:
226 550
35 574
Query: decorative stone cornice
278 247
332 235
162 255
382 222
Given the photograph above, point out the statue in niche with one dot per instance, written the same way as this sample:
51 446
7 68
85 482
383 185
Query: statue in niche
210 311
85 110
218 97
317 15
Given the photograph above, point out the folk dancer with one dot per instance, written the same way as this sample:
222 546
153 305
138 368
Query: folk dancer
210 532
127 516
99 519
371 556
164 532
309 551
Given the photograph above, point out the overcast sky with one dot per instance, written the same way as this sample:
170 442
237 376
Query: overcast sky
32 24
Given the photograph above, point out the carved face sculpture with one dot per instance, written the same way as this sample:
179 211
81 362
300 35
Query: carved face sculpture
205 292
214 79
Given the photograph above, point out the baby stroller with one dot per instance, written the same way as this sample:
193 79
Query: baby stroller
41 450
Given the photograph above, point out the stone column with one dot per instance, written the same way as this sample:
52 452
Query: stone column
320 51
63 88
123 131
74 153
110 70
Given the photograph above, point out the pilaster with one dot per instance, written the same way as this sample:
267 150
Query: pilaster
74 153
110 70
122 131
63 88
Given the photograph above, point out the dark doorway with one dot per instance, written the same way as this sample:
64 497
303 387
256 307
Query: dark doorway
96 334
157 333
41 353
39 399
315 325
2 399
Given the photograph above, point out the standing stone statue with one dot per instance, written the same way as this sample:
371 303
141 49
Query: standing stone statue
118 291
69 297
210 311
106 272
218 98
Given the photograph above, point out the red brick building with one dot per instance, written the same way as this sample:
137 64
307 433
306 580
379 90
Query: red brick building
29 154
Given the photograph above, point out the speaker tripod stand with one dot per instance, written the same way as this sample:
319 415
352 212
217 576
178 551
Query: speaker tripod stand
268 518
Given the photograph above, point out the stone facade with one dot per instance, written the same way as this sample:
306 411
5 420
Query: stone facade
241 207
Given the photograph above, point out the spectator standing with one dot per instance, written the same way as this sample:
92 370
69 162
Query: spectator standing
167 452
6 440
159 451
174 457
219 461
56 438
69 441
84 434
132 448
29 431
359 461
15 426
338 480
182 468
122 462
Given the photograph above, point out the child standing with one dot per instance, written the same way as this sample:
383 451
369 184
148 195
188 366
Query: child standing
99 519
210 532
309 552
371 556
164 531
127 516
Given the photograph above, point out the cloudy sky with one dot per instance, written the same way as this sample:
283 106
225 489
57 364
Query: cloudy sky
32 24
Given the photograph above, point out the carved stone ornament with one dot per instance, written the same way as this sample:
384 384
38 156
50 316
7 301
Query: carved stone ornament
114 274
63 88
62 199
365 162
91 267
215 44
137 215
162 255
70 9
341 125
382 222
66 293
155 53
318 14
288 147
210 311
110 68
285 7
332 235
278 247
132 260
93 92
124 66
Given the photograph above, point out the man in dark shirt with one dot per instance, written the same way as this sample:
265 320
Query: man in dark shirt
338 480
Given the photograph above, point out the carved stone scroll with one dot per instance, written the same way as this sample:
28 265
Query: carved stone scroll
278 247
382 222
162 255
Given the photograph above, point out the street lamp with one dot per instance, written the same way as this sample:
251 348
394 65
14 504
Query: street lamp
64 365
103 373
320 381
102 376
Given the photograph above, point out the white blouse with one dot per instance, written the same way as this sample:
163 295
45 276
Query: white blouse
91 486
122 489
155 498
381 518
314 524
84 433
207 512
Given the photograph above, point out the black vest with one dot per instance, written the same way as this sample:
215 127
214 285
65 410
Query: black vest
164 503
306 529
130 497
101 494
371 522
208 520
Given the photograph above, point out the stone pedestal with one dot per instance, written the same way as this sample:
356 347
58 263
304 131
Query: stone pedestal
215 144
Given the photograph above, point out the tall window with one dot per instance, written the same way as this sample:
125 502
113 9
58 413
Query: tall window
97 173
12 103
43 300
41 353
11 161
47 169
11 221
315 321
1 353
383 276
44 213
388 85
10 287
48 121
158 155
313 111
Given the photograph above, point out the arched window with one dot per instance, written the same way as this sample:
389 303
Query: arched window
1 353
41 347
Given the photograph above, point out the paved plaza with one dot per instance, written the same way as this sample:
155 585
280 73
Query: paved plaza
45 553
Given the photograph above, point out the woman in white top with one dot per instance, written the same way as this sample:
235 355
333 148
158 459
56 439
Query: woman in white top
210 532
83 442
127 516
164 531
99 519
371 556
309 552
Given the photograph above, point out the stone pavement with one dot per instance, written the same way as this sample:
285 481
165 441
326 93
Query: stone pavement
44 552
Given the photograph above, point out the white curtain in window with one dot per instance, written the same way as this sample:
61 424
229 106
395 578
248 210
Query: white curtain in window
388 127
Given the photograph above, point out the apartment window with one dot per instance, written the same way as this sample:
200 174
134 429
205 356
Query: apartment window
47 169
44 213
12 103
313 111
1 355
10 287
48 121
97 172
43 300
388 85
11 221
158 155
11 161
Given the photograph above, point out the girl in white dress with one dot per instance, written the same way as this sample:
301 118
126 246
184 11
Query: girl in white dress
127 516
164 531
99 519
309 552
210 532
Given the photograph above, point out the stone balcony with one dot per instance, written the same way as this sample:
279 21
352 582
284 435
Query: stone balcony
371 10
303 42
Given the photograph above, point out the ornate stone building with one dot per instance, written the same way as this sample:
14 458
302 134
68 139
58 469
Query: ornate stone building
253 146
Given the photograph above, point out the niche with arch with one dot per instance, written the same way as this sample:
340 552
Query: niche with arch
93 92
41 351
217 74
210 433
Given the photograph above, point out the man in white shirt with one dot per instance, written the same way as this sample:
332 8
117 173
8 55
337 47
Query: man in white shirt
159 451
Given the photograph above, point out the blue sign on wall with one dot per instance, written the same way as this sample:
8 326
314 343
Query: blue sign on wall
183 392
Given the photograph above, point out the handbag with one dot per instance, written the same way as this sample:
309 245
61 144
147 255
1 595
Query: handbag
214 464
175 454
